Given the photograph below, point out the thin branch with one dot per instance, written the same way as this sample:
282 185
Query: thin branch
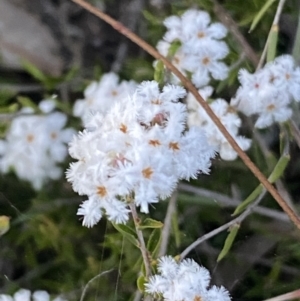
140 236
92 280
189 85
296 46
137 296
274 27
289 296
228 201
226 19
167 224
295 131
213 233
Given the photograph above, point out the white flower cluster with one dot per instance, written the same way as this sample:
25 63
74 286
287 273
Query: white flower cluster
227 115
25 295
34 145
269 91
100 96
201 47
184 281
138 150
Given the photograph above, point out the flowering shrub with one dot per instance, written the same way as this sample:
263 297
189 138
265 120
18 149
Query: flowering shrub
138 143
136 151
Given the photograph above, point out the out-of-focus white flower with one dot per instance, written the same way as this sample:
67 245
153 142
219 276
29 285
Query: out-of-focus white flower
25 295
229 118
100 96
34 145
40 296
47 105
138 150
201 49
269 91
185 281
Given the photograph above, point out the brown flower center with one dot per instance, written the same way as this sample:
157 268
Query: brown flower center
147 172
30 138
201 34
123 128
174 146
114 93
154 142
205 61
101 191
53 135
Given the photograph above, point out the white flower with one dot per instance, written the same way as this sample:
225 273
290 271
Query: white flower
185 280
201 49
25 295
100 96
47 105
22 295
274 110
40 296
268 92
35 143
137 151
229 118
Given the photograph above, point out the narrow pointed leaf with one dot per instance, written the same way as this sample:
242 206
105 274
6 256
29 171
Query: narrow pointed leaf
154 242
159 72
141 283
150 223
175 228
229 241
275 175
272 43
260 14
127 232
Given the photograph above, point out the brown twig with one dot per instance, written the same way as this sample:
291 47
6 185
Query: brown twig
289 296
140 236
222 228
167 224
189 85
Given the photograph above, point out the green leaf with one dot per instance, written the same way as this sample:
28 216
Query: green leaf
159 72
154 242
251 198
127 232
154 20
34 71
260 14
5 96
150 223
272 43
27 102
141 283
4 224
9 109
274 176
229 241
175 228
279 168
173 48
